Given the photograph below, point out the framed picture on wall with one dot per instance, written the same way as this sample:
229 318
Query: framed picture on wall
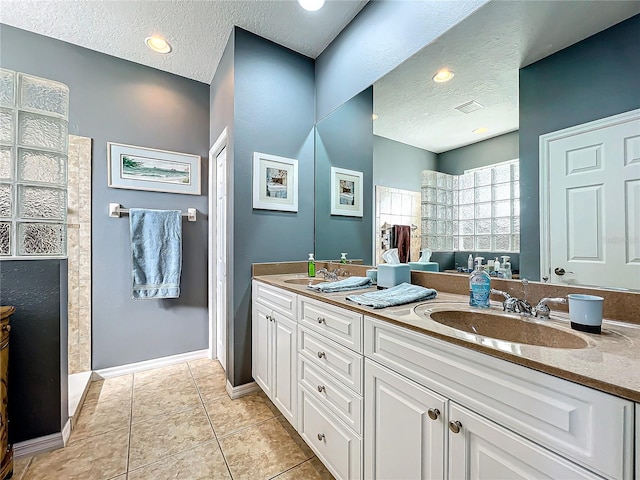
141 168
275 182
346 192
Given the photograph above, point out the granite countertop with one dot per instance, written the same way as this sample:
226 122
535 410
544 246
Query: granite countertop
610 362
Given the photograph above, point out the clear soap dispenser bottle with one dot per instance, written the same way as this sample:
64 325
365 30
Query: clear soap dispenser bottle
479 286
311 266
343 258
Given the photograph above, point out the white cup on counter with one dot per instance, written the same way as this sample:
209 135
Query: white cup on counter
585 312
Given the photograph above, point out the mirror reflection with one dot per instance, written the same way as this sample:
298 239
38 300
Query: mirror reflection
519 70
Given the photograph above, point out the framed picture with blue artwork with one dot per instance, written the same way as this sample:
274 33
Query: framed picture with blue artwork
141 168
346 192
275 182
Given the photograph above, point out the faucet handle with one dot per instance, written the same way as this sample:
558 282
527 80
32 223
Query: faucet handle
543 311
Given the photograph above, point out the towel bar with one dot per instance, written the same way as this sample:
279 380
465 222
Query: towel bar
116 210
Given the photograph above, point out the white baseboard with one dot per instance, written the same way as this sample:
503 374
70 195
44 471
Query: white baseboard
66 432
40 444
241 390
148 364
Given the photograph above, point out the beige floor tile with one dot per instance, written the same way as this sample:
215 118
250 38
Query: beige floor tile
113 389
204 367
97 458
162 377
151 401
20 466
212 388
101 417
310 470
265 450
204 462
168 434
119 477
228 416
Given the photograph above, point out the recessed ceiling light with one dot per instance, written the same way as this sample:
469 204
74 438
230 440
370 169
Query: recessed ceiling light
157 44
480 130
443 75
311 5
374 116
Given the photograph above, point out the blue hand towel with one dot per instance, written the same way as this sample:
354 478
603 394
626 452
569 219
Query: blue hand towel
398 295
156 252
351 283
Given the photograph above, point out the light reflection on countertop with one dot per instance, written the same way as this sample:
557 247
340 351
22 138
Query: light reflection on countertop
610 363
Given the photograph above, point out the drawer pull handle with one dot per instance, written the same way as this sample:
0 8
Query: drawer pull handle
322 354
433 413
321 388
455 426
321 436
321 320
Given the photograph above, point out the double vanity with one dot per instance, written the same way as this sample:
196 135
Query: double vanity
440 390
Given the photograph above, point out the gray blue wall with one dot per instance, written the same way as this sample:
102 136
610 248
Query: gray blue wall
344 139
383 35
124 102
493 150
274 114
38 386
595 78
397 165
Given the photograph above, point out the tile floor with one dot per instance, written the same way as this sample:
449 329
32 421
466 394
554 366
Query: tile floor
176 422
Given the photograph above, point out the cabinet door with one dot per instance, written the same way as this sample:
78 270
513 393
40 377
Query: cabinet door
261 346
482 450
284 385
401 440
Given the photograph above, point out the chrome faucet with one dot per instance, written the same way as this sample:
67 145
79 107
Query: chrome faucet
513 304
332 274
542 310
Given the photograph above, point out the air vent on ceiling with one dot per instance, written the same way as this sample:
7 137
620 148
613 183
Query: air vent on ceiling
469 107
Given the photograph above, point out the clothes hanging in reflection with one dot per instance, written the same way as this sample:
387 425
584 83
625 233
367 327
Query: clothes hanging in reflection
402 241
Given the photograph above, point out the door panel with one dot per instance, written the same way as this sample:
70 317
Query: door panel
594 204
284 367
261 346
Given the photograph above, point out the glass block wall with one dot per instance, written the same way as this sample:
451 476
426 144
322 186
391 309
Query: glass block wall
33 165
477 211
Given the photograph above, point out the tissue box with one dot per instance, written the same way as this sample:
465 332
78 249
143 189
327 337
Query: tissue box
425 266
392 275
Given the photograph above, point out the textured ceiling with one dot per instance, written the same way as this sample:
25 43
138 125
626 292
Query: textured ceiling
485 51
198 30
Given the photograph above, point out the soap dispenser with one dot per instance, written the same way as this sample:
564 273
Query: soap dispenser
343 258
311 266
506 267
479 286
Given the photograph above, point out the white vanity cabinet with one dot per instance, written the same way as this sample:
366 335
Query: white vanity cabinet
274 345
330 374
513 422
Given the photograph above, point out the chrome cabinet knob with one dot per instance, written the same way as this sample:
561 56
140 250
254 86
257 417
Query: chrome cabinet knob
6 328
321 320
455 426
322 354
321 388
433 413
321 436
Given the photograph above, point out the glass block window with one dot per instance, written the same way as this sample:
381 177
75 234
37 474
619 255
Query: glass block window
478 211
33 165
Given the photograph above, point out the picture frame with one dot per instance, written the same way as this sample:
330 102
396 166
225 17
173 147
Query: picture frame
141 168
346 192
275 182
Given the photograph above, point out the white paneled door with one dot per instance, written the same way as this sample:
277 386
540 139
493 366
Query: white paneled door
593 205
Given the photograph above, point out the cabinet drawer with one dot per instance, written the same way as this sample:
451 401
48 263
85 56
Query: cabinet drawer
275 298
338 324
339 362
339 448
590 427
342 402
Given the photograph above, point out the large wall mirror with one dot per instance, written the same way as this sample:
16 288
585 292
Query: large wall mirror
519 72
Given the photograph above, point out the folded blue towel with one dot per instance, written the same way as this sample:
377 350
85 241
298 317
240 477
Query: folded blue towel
156 252
398 295
351 283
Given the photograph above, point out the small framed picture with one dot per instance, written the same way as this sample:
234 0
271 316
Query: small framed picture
275 182
141 168
346 192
